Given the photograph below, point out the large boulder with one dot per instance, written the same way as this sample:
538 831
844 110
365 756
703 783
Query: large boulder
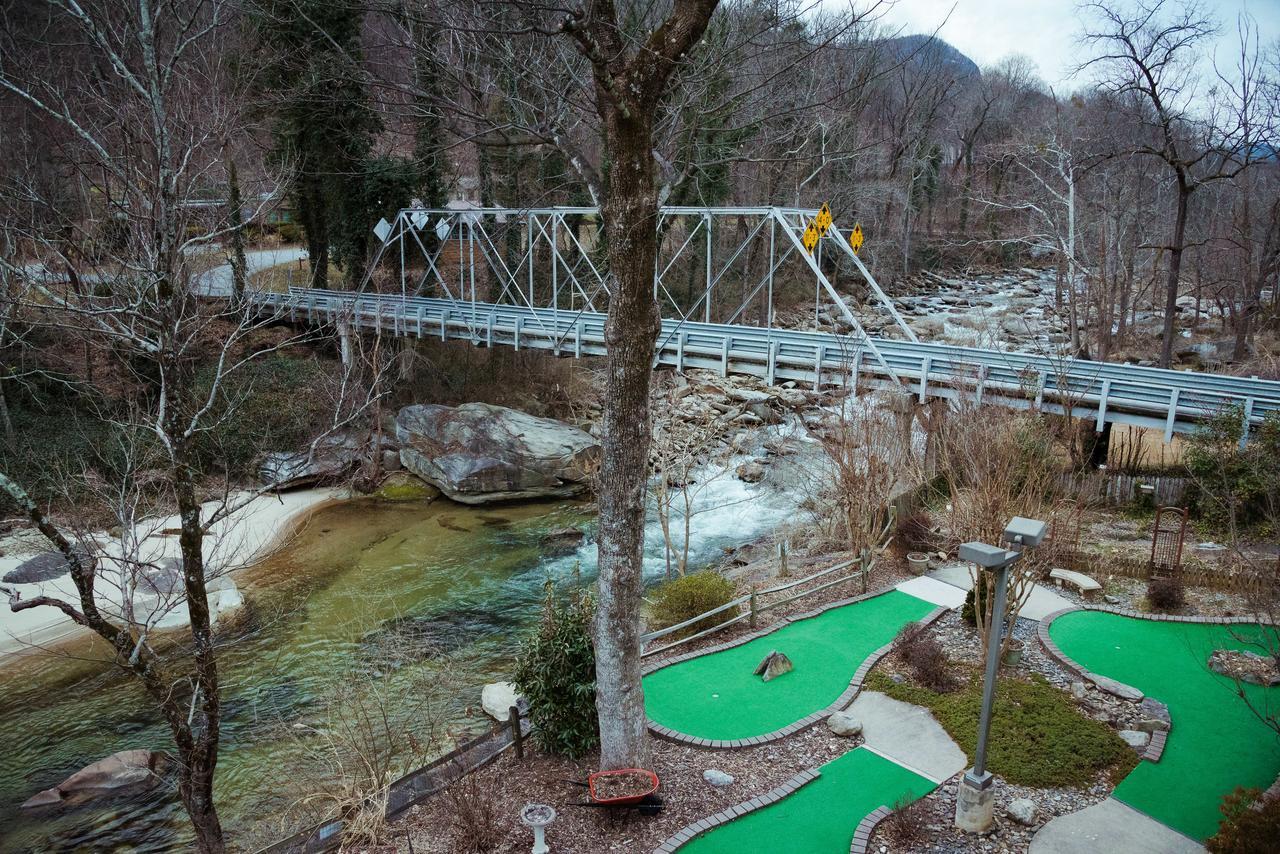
122 773
477 453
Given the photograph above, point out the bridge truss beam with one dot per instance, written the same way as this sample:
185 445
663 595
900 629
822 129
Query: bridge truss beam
715 264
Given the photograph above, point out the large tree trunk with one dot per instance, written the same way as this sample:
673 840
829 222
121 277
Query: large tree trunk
630 333
1175 271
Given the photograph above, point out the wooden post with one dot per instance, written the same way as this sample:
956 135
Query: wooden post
782 559
517 737
752 620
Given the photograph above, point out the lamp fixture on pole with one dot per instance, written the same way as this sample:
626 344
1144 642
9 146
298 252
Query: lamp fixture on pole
975 796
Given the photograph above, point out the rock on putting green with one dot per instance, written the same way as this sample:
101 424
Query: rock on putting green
716 696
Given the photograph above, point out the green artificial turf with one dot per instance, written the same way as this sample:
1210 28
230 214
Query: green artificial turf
821 817
1216 743
1038 736
717 696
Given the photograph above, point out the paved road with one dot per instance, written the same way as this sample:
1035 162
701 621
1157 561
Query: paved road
217 281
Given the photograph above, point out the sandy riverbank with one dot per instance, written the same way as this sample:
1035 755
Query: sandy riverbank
242 538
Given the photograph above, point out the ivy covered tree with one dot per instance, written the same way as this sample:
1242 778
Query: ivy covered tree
322 120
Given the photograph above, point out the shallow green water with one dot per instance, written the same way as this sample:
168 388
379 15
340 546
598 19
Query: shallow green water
326 613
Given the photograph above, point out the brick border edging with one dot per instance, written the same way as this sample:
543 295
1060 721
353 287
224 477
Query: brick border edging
1155 748
862 836
840 703
728 814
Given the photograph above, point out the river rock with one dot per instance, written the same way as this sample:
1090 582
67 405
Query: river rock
477 453
561 541
844 724
120 773
497 698
751 472
1155 714
333 459
1135 739
1117 689
774 665
1245 666
44 567
717 778
1022 810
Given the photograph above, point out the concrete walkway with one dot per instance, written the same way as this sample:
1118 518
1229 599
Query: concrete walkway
908 735
1042 603
1110 826
935 591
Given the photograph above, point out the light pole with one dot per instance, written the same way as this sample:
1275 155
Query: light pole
975 796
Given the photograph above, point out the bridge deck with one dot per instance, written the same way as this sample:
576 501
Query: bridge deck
1172 401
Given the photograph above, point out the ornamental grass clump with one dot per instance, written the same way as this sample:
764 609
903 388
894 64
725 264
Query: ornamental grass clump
556 672
688 596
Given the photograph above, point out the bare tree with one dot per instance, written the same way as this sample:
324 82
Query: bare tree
1149 51
139 115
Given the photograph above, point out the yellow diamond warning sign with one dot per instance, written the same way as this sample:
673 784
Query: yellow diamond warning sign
810 238
823 220
855 238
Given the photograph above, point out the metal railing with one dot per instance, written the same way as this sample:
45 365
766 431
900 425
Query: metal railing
1168 400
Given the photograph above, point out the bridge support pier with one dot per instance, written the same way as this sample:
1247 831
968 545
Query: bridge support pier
1101 446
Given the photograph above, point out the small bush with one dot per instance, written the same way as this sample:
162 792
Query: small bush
556 672
907 825
914 533
1166 594
968 615
920 651
473 815
684 598
1245 830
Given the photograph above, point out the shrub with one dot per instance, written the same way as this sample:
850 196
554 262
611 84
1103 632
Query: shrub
289 232
556 672
968 615
688 596
473 814
906 826
1166 594
1245 830
920 651
914 533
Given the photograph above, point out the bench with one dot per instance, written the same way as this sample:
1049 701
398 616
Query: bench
1086 585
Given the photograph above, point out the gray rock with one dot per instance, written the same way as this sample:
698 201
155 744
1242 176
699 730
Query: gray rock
717 778
477 453
1022 810
774 665
751 472
333 459
844 724
1111 600
390 460
45 567
497 698
1077 690
120 773
1135 739
561 541
1117 689
1156 716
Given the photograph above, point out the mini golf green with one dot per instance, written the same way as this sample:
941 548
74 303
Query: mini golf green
717 696
1216 743
821 817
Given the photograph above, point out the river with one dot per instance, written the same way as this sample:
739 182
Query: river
328 615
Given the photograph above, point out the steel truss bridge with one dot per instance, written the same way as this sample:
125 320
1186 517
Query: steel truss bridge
536 278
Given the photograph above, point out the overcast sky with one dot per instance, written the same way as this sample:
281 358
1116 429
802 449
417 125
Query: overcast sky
1045 30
